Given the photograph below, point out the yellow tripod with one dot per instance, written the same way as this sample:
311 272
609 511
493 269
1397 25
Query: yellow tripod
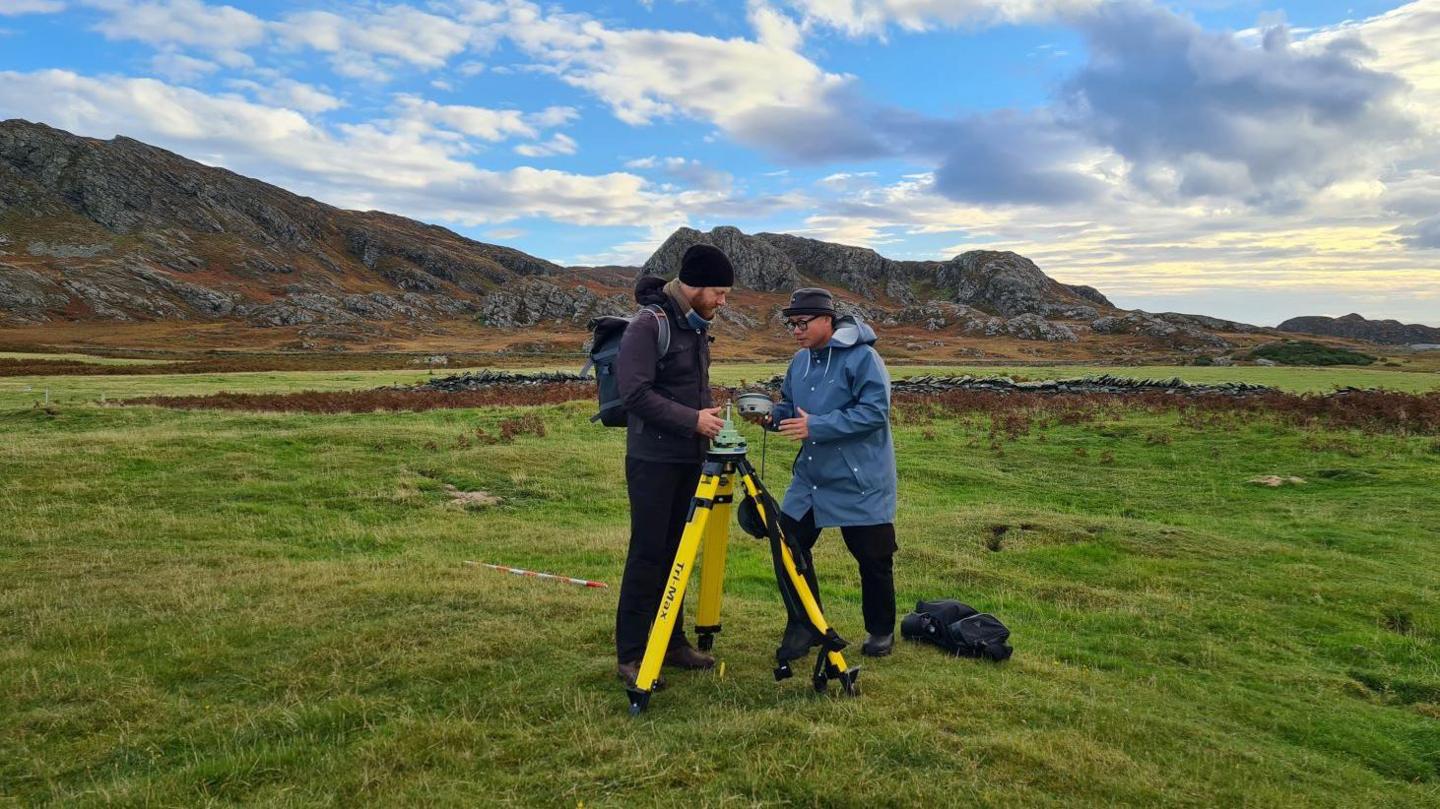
708 526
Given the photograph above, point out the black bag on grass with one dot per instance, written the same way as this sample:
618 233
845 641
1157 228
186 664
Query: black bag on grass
958 628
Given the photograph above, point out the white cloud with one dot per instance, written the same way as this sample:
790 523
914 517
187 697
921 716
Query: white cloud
181 68
630 253
290 94
1198 113
688 172
492 125
855 231
773 28
15 8
222 31
370 44
552 117
477 122
1252 265
559 144
872 17
1401 41
846 179
644 75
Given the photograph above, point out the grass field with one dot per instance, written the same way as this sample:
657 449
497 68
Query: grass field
217 608
85 358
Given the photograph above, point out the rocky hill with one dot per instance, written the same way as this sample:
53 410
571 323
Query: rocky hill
980 293
1356 327
1000 283
120 231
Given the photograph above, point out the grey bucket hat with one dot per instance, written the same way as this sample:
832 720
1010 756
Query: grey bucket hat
810 301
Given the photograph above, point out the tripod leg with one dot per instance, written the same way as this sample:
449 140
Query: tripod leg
712 564
834 666
674 596
831 664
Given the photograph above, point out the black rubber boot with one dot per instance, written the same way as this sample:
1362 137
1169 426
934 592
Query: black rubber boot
878 645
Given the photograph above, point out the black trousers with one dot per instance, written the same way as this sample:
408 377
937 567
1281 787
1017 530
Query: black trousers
660 495
873 547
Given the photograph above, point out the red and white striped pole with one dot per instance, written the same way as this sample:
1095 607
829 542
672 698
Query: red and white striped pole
548 576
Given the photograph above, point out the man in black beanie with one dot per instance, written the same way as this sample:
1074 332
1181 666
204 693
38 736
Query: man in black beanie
671 421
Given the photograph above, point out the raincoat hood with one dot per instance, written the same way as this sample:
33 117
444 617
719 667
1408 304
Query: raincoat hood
850 331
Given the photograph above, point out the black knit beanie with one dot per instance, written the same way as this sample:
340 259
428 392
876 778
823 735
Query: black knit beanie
706 266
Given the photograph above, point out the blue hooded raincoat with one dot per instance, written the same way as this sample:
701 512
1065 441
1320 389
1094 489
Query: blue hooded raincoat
845 470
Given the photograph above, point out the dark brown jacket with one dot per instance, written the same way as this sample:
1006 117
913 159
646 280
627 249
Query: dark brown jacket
663 395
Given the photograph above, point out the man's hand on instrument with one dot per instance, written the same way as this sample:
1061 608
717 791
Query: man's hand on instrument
798 428
708 422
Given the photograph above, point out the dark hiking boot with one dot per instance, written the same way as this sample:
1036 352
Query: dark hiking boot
627 672
687 657
878 645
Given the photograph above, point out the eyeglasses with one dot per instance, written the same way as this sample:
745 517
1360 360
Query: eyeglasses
798 325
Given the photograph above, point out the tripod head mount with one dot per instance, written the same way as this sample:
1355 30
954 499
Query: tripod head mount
729 441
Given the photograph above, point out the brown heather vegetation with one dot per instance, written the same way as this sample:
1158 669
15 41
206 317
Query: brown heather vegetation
1011 415
245 363
378 399
1016 414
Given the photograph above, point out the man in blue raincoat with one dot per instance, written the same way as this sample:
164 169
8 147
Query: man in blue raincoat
836 402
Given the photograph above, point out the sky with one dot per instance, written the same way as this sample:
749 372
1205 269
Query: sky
1250 160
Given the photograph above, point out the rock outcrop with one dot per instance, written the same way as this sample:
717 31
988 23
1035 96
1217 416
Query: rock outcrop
1172 334
534 301
758 264
997 282
27 297
1355 327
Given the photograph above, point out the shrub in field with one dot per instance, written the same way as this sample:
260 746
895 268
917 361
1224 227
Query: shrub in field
1304 352
528 424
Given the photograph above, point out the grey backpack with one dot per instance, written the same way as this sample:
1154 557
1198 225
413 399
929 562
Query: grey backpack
607 332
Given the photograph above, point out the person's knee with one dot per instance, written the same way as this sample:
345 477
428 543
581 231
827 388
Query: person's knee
876 551
647 568
877 569
803 534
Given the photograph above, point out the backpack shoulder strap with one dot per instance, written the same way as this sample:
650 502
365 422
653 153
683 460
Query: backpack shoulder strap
662 320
